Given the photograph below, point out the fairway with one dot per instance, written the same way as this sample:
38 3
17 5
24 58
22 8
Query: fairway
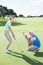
19 54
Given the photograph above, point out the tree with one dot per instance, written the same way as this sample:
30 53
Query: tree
2 11
21 15
41 15
11 12
29 16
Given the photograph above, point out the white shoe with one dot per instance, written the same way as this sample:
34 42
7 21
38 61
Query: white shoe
36 50
7 51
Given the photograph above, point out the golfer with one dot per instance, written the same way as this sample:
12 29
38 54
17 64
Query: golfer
33 41
8 29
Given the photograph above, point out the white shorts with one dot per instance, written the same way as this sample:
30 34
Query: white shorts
8 36
33 48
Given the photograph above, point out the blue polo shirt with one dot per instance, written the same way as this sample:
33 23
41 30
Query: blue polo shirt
36 42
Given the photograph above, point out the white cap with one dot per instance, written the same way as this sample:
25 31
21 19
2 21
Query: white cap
32 31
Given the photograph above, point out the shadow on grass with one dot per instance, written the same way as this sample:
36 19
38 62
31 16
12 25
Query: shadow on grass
39 54
13 23
26 58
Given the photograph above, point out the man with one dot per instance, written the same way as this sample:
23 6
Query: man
7 34
33 41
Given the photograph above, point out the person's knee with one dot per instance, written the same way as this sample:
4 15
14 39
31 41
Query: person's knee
10 41
31 49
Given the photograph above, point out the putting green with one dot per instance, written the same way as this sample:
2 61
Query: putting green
19 55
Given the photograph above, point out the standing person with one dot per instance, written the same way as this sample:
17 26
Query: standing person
33 41
7 34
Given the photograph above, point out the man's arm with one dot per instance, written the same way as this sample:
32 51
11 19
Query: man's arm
12 32
28 38
32 39
25 35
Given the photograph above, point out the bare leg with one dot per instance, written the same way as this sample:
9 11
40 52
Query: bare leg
8 46
29 42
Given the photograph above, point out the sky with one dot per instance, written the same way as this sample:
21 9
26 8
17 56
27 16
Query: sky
25 7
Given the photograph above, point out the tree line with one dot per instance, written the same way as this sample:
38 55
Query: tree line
5 11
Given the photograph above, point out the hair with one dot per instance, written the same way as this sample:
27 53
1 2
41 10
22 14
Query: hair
11 18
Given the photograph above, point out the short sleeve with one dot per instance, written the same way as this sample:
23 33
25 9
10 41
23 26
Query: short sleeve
33 39
9 24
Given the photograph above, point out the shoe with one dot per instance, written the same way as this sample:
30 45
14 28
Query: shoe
7 51
35 51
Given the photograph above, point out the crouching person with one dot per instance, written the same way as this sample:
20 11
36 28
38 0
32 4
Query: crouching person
33 41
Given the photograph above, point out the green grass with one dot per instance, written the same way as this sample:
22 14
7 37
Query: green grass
19 55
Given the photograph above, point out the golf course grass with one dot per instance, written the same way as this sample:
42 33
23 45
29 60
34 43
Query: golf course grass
19 54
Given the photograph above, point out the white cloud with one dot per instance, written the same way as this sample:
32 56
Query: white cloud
37 2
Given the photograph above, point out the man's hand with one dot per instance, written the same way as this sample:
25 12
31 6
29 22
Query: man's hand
24 34
13 36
